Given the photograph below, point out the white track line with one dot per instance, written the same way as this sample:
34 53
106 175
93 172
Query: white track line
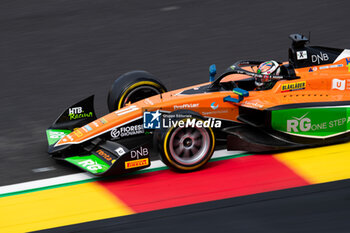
84 176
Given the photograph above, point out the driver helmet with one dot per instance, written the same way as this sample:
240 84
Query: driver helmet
267 68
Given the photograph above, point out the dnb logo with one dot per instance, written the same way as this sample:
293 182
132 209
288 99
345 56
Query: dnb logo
302 124
151 120
139 153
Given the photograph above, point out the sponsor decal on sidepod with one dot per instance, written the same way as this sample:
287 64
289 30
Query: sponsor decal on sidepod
213 106
293 86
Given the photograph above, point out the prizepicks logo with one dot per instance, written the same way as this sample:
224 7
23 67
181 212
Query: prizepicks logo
151 120
213 106
301 55
338 84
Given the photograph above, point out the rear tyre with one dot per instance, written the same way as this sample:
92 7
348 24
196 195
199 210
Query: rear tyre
132 87
187 148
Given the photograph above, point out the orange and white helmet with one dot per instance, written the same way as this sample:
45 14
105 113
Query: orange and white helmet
269 68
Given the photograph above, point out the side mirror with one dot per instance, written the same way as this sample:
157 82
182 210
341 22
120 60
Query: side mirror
212 72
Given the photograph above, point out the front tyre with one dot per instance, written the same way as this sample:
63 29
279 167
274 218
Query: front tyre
187 148
132 87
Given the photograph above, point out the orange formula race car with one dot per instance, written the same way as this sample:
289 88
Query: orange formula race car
253 106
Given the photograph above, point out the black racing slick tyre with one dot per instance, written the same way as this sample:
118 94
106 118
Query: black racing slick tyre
186 148
132 87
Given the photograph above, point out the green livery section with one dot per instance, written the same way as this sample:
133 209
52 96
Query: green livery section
53 135
317 122
90 163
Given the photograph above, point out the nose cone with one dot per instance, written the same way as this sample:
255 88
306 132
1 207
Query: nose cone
56 150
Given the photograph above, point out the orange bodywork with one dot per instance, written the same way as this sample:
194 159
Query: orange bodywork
324 83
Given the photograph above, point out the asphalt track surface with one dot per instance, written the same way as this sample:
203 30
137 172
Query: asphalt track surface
318 208
54 53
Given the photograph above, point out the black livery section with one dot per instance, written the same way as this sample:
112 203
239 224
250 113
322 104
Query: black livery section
301 55
76 115
121 159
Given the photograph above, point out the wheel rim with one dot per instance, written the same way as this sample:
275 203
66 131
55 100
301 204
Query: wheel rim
188 146
140 93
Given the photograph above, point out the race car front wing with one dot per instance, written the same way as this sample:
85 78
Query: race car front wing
102 157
